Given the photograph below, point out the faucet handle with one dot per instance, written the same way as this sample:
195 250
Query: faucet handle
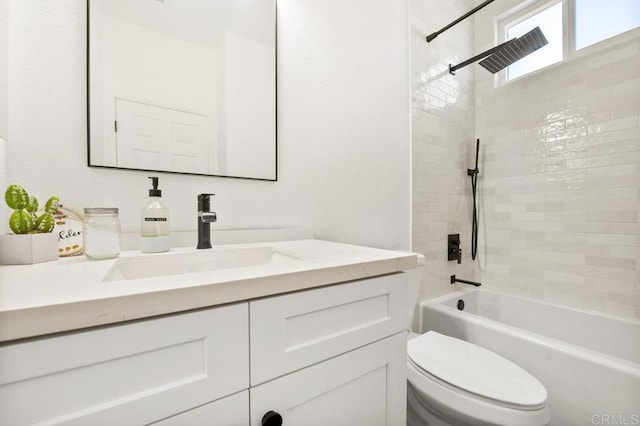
453 248
207 217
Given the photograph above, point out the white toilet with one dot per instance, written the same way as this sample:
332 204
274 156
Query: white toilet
454 382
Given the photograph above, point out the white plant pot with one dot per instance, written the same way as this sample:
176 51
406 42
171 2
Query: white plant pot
26 249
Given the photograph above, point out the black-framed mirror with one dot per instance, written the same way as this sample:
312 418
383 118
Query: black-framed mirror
183 86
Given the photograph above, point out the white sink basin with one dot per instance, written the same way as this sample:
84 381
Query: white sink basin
174 263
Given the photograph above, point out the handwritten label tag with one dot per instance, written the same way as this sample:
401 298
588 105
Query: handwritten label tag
69 231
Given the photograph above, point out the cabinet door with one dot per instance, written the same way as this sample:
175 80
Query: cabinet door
364 387
130 374
230 411
294 331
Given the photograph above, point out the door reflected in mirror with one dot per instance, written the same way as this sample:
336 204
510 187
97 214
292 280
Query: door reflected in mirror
185 86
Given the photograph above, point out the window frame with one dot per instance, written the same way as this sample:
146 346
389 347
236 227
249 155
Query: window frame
529 8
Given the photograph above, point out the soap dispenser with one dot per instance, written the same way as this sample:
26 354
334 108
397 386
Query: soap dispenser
155 222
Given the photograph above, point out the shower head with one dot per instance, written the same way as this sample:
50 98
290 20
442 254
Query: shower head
507 53
515 50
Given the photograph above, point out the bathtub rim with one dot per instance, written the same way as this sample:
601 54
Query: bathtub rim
439 299
611 361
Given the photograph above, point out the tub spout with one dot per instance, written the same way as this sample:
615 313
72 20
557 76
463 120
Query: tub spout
458 280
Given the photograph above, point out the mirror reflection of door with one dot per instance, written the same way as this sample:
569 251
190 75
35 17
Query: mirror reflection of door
190 84
149 137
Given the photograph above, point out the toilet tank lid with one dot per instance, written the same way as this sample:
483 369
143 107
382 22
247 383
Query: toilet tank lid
476 370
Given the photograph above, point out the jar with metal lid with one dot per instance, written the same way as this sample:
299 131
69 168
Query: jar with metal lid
101 229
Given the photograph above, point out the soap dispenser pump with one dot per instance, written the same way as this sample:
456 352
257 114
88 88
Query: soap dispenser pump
155 222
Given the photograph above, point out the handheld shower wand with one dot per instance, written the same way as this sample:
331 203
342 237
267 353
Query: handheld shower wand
474 221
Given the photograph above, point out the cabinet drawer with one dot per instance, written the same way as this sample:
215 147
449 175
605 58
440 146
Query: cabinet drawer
296 330
129 374
366 386
230 411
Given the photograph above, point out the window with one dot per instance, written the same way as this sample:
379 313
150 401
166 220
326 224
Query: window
568 25
550 22
599 20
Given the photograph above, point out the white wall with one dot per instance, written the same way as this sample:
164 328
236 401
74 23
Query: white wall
4 95
343 129
4 58
443 116
560 181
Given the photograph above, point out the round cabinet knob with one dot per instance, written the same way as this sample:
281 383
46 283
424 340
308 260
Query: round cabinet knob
271 418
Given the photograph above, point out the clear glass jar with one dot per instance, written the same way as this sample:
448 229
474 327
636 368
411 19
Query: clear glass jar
101 230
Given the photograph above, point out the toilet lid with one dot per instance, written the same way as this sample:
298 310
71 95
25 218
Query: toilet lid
476 370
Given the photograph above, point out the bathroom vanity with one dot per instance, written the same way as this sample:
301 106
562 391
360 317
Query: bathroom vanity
310 331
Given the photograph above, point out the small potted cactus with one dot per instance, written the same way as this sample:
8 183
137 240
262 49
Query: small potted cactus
32 240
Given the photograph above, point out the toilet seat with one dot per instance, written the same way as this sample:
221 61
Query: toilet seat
476 371
472 385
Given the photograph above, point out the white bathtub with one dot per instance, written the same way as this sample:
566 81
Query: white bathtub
590 364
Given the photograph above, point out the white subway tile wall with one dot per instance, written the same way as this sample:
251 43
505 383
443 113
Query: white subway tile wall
443 128
560 181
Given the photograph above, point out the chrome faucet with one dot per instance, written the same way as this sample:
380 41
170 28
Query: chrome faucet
205 217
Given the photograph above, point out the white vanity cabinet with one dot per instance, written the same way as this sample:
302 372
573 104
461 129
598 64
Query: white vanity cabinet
230 411
329 355
131 374
366 386
334 355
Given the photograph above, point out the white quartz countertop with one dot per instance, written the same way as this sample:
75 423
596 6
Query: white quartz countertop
71 293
